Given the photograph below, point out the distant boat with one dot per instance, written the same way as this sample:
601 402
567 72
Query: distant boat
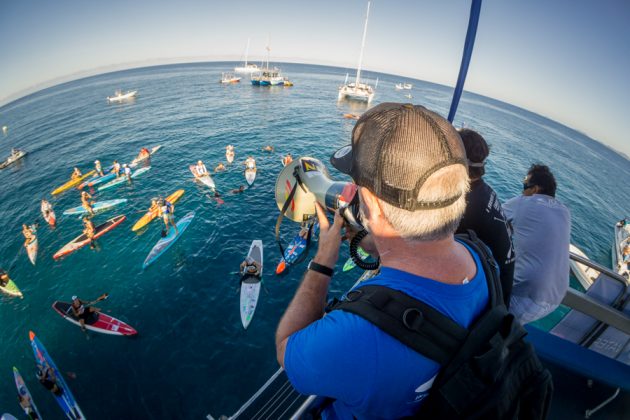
287 82
399 86
584 274
358 91
16 154
408 96
407 85
229 78
267 76
5 130
121 97
247 68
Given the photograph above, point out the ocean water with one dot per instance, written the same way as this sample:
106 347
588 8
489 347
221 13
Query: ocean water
192 356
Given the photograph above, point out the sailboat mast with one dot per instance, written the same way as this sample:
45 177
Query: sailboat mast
246 52
367 15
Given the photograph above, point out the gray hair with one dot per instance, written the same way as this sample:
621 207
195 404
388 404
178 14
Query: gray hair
429 225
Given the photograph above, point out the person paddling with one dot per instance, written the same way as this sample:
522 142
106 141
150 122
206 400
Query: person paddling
167 211
89 230
250 267
200 169
82 311
4 278
86 203
98 168
29 234
287 159
144 153
76 174
116 168
46 377
46 207
127 172
250 163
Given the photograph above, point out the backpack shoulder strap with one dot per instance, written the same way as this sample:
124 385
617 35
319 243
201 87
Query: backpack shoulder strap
415 323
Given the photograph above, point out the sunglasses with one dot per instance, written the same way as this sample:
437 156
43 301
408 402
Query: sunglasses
527 186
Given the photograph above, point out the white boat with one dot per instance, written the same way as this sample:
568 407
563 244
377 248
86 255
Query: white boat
246 67
584 274
358 91
227 78
407 86
16 154
121 97
399 86
622 240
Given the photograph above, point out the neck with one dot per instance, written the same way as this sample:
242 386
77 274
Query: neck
443 260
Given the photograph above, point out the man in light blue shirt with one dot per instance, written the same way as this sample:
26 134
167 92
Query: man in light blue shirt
542 229
410 166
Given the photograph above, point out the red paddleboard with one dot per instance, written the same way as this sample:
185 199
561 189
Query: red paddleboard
82 240
97 321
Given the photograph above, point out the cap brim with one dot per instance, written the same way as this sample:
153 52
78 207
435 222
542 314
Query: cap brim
342 159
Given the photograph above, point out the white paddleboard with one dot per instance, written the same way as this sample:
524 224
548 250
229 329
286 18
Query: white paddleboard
250 287
250 175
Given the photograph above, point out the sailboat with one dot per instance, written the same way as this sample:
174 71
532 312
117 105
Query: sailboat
247 68
358 91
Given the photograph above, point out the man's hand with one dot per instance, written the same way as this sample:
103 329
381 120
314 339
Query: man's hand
329 238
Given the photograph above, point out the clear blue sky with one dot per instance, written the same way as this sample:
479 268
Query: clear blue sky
567 60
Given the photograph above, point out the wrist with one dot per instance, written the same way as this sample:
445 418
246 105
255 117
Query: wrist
322 269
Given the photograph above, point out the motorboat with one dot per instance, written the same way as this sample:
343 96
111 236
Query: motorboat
622 240
16 154
268 76
357 91
121 97
227 78
407 86
399 86
584 274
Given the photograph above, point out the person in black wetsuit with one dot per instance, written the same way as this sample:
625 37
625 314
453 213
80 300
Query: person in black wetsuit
484 213
46 377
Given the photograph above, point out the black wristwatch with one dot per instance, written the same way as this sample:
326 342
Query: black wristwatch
321 269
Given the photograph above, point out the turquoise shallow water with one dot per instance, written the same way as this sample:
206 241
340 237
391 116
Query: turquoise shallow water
192 355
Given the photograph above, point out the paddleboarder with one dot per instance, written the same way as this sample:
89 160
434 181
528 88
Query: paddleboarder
200 169
29 234
76 173
89 230
268 148
4 278
127 172
86 203
46 377
116 168
82 310
27 405
167 211
46 208
144 153
287 159
250 163
98 168
250 267
238 190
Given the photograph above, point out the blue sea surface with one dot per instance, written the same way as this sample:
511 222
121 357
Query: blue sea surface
192 356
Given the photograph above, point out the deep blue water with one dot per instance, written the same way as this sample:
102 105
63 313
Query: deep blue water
192 355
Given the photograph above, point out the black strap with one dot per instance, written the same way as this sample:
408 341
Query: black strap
286 205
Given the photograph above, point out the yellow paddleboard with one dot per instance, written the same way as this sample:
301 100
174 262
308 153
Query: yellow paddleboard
149 216
72 183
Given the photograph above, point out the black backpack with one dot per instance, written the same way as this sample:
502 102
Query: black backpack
488 371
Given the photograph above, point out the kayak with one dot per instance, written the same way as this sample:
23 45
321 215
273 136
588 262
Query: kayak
250 175
166 242
97 207
12 159
32 248
82 240
66 401
49 216
206 179
250 285
23 391
137 161
123 178
98 180
149 216
98 321
350 264
11 289
72 183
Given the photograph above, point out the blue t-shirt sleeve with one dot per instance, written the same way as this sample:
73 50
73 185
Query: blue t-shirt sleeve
320 357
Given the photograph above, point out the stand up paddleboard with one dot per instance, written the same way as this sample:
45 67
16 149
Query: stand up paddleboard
350 264
121 179
97 207
98 321
250 176
49 216
32 247
98 180
250 285
166 242
11 289
82 240
23 391
206 179
72 183
229 155
66 401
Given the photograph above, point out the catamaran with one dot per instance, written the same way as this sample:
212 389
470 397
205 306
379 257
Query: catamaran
358 91
247 68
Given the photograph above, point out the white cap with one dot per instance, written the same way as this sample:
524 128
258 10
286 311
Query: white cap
74 297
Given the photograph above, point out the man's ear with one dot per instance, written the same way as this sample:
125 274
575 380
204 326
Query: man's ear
371 207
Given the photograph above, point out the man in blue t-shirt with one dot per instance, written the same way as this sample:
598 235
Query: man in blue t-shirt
410 166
